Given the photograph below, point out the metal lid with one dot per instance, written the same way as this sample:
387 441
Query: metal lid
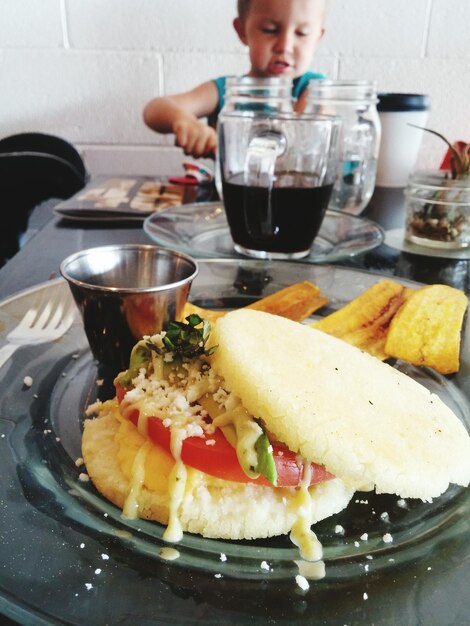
393 102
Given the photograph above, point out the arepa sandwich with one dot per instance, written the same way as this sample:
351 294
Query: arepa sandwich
263 427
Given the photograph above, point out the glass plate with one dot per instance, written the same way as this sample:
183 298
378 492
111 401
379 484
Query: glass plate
68 557
396 239
201 230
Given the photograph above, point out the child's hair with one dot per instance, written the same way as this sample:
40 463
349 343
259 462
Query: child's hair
244 5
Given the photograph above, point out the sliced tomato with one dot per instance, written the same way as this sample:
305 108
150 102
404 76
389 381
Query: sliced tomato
213 454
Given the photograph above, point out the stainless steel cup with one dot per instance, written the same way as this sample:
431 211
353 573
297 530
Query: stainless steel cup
127 291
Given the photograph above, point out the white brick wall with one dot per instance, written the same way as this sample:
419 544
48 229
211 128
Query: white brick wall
83 69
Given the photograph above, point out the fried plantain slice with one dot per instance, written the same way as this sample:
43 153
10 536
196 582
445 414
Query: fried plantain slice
364 322
211 315
296 302
426 330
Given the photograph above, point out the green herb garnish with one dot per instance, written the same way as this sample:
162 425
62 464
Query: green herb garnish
183 340
187 340
266 465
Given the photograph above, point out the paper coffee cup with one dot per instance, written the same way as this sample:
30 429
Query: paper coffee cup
400 143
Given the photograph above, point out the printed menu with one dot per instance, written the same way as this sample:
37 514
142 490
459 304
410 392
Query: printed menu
127 197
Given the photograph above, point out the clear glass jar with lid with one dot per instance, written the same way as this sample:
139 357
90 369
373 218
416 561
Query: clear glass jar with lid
355 102
266 95
438 210
259 97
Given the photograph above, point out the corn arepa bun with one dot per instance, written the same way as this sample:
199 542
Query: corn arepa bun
212 507
366 422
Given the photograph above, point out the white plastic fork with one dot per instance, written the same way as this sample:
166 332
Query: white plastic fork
47 321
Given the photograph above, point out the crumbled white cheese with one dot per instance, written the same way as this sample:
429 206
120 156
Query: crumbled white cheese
105 557
98 570
194 430
93 408
402 503
88 586
175 398
99 382
357 544
79 461
27 381
302 582
339 530
217 575
264 566
84 478
223 557
365 596
387 538
364 537
82 545
385 517
210 442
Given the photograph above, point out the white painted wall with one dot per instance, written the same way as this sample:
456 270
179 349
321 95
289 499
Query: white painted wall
84 69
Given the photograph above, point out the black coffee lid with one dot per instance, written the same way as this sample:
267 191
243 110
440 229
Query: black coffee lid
389 102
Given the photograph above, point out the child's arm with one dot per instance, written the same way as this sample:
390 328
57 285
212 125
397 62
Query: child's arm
179 114
301 103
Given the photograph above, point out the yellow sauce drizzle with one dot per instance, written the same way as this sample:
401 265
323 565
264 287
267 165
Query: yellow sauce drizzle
158 367
168 554
142 423
177 485
311 570
247 432
301 533
131 505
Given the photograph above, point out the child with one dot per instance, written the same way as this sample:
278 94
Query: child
281 35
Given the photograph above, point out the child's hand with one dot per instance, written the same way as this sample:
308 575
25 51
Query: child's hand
196 138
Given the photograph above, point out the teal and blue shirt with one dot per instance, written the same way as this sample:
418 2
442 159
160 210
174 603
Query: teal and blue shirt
299 85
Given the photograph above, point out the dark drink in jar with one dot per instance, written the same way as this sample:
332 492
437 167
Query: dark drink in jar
279 219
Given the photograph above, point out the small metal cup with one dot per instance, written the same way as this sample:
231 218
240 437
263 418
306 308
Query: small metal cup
127 291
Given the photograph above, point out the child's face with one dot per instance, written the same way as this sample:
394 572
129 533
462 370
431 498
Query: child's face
282 35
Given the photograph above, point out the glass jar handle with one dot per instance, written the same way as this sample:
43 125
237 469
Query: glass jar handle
259 168
261 156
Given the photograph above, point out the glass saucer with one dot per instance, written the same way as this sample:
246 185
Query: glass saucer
201 230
